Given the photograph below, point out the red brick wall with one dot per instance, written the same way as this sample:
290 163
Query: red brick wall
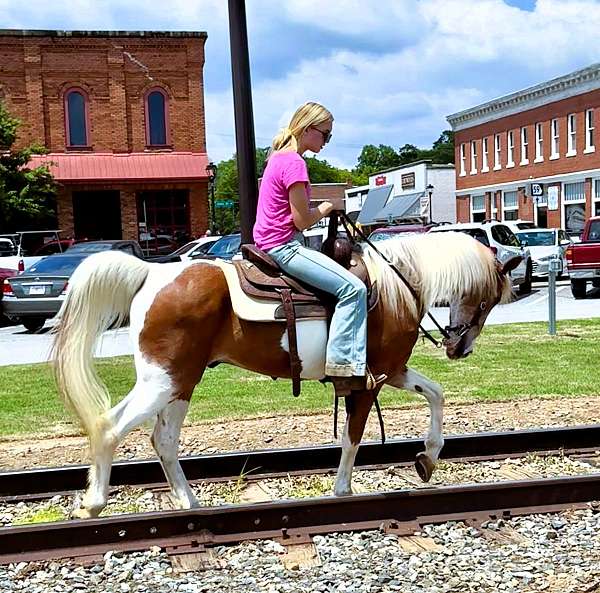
463 209
115 71
559 109
323 191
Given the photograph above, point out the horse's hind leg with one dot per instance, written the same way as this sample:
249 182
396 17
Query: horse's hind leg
434 441
358 406
165 440
149 396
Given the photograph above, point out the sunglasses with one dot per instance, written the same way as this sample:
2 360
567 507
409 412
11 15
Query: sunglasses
326 135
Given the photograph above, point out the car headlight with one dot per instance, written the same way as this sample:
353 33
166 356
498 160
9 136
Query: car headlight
546 258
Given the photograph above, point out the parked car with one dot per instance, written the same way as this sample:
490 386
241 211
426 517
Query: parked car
399 230
583 259
227 247
519 225
89 247
37 294
4 274
503 243
56 246
544 245
188 251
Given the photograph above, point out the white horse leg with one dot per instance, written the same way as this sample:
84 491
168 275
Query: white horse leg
165 440
343 479
149 396
434 441
358 406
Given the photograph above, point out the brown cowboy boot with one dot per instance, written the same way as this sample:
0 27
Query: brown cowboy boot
344 386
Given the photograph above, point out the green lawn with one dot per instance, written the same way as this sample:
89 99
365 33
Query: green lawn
519 360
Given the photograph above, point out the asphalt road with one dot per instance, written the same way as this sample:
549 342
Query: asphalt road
18 346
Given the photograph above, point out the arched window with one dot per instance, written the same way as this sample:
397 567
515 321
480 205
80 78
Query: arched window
76 118
157 120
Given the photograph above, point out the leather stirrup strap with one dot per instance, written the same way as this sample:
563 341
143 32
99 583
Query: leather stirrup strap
290 317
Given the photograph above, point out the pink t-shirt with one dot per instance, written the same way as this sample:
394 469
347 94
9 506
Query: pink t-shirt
274 225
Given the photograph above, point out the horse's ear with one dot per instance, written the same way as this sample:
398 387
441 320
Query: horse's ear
510 264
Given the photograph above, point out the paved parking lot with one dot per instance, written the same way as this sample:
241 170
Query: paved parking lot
18 346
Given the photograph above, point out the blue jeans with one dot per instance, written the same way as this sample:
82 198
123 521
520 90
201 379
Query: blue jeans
347 344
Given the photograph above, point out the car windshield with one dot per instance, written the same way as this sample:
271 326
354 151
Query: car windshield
59 265
89 247
184 248
546 238
226 247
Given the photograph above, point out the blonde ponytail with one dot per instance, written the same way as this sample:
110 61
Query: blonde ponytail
309 114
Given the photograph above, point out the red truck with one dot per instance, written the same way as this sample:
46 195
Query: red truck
583 259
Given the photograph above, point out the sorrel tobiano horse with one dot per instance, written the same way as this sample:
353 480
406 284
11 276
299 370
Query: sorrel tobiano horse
182 320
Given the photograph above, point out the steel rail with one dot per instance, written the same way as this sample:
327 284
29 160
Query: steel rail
192 530
45 482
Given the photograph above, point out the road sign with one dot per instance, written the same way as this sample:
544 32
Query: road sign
224 203
537 189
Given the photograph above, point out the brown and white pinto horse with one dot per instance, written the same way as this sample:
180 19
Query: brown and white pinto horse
181 321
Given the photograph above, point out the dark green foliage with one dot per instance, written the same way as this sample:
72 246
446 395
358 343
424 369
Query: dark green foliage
26 195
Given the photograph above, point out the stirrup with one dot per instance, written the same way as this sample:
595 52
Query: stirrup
344 386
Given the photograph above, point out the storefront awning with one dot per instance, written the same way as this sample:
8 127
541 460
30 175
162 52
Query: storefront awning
406 206
374 202
130 167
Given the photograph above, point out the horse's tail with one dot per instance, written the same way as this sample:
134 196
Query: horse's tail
100 294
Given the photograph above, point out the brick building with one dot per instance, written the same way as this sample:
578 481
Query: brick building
532 155
122 114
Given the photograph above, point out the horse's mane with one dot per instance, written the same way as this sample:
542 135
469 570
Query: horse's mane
441 267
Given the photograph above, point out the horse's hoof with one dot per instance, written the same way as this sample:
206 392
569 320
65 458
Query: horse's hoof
424 466
343 492
82 513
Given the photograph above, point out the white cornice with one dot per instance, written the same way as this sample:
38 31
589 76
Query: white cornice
569 177
557 89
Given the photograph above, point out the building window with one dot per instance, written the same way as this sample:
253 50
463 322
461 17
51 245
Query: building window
76 118
574 192
484 156
497 149
477 208
157 118
524 147
510 149
574 207
554 139
589 131
572 135
596 208
539 143
510 205
473 157
463 159
163 219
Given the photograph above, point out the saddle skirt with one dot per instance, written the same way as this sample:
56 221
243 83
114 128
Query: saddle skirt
251 303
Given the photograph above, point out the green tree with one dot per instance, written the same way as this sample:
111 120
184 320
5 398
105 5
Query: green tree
443 148
27 196
376 158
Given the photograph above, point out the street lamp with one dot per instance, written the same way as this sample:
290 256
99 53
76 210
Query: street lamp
429 190
211 171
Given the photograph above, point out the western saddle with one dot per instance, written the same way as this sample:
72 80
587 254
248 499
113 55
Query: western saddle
261 277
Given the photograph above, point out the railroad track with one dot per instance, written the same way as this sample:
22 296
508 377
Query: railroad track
193 531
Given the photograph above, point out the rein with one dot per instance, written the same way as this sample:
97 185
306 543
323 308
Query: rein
445 331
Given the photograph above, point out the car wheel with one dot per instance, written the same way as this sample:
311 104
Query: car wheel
578 288
33 324
525 286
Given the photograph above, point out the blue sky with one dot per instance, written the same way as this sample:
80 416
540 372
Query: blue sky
389 70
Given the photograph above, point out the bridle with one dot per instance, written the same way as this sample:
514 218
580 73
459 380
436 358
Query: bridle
448 332
460 330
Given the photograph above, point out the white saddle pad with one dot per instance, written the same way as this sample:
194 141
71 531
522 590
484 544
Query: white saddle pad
244 306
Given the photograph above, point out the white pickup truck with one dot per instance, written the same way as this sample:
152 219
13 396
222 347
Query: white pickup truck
14 248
